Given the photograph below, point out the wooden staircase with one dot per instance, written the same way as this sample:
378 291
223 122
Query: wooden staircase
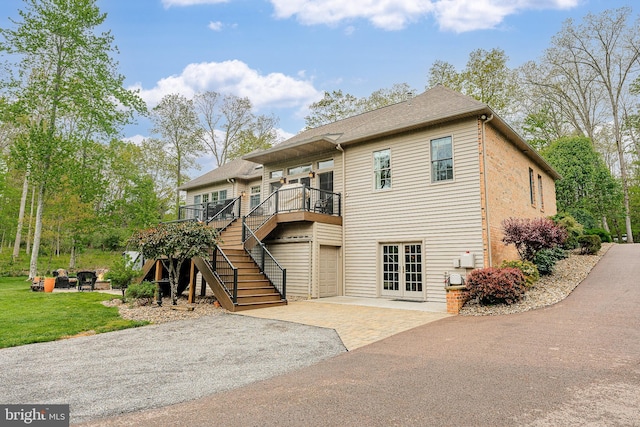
254 288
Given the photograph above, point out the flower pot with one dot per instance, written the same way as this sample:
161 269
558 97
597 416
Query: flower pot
49 284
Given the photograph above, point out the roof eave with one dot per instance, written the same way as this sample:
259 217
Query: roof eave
296 150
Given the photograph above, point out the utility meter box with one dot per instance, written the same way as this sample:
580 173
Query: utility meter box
467 260
455 279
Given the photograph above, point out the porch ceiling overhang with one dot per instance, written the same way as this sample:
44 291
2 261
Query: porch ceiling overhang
304 148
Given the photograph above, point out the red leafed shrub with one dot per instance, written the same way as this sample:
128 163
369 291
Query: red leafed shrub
532 235
496 285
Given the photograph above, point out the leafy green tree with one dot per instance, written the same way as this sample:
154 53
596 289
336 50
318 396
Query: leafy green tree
332 107
336 105
176 122
131 200
260 135
486 78
174 243
586 182
66 89
585 74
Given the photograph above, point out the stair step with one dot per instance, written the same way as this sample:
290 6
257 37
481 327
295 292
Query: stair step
253 283
266 290
244 299
254 305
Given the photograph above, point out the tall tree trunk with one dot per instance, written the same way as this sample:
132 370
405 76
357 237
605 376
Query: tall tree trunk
33 200
72 257
23 204
605 225
33 265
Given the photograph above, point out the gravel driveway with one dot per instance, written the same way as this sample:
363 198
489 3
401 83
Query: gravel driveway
158 365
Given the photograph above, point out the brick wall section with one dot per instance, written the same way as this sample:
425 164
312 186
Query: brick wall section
456 297
507 189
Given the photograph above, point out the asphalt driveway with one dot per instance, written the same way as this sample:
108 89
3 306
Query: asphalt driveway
575 363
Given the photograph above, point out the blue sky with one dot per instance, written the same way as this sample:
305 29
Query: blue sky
283 54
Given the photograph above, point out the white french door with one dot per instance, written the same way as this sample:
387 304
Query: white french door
402 270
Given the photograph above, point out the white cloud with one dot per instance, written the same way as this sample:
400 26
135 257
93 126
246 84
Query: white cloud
234 77
451 15
136 139
215 26
168 3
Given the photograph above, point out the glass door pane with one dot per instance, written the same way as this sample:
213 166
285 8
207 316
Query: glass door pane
390 269
413 268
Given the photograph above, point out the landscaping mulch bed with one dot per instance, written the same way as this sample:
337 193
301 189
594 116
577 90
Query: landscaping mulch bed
549 290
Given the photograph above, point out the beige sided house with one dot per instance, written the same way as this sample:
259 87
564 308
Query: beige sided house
388 203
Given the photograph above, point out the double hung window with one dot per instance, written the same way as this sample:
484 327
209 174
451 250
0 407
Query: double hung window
441 159
382 169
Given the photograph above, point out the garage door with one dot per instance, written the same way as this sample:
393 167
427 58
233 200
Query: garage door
328 271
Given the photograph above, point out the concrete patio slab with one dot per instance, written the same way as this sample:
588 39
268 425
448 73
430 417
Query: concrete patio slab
358 321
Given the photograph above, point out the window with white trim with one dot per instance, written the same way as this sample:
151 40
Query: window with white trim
254 198
382 169
441 159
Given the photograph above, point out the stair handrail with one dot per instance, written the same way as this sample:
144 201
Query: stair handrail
268 265
227 265
227 213
259 215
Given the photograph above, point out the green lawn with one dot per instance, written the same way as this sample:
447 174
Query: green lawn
28 317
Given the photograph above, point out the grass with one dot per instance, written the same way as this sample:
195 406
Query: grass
87 259
28 317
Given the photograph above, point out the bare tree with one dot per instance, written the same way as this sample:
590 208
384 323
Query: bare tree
230 129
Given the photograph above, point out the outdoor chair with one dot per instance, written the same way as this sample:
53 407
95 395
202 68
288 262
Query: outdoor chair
324 205
86 280
62 279
37 285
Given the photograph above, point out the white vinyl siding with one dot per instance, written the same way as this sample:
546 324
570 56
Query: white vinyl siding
206 192
295 258
444 217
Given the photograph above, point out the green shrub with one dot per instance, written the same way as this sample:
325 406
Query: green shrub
546 259
122 273
589 244
528 269
573 228
496 285
143 293
605 236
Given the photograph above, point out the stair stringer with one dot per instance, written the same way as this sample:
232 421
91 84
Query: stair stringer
218 290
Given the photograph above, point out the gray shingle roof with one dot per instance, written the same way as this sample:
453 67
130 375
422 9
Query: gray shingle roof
236 169
436 105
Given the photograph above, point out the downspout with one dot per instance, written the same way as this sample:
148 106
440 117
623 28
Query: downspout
486 189
310 273
344 209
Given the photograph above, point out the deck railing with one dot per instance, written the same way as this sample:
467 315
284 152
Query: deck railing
265 261
221 213
225 272
294 199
